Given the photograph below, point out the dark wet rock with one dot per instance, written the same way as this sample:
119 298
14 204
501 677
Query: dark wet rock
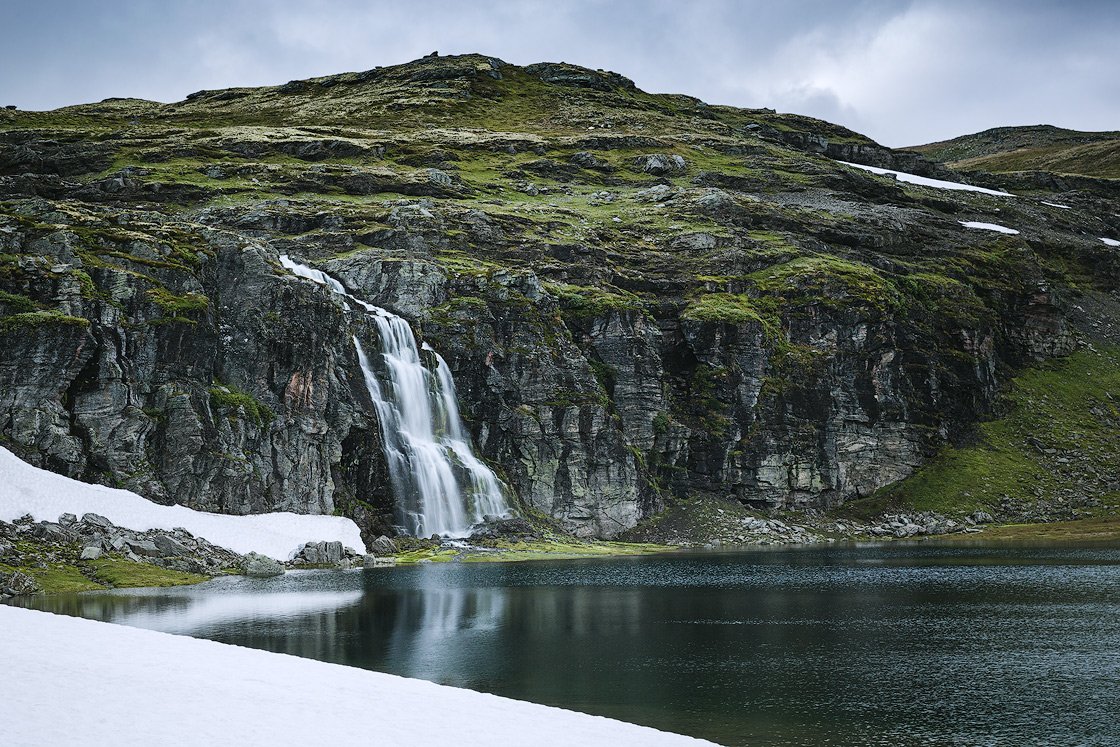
515 528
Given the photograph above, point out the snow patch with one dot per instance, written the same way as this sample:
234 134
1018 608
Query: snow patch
987 226
121 684
1110 242
25 489
1056 205
925 181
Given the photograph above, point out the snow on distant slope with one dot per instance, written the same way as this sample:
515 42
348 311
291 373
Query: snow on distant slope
987 226
68 680
25 489
925 181
1110 242
1056 205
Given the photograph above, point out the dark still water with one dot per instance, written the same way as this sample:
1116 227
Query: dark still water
880 645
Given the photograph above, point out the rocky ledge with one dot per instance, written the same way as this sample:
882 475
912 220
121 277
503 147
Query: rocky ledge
83 554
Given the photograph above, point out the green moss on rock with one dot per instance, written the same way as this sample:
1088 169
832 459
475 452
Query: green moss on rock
725 308
34 319
229 397
178 306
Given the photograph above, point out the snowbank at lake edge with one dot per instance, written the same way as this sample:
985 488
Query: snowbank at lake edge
70 680
25 489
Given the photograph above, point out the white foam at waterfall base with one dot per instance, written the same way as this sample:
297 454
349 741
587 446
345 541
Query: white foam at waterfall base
440 485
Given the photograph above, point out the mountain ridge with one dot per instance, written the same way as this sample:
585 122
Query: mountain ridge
642 298
1031 148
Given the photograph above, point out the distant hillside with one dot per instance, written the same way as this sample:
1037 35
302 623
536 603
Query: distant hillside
1034 148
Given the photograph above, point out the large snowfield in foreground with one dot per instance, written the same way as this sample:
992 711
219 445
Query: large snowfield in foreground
73 681
25 489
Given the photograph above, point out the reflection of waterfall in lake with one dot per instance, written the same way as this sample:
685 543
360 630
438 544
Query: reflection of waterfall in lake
441 486
439 631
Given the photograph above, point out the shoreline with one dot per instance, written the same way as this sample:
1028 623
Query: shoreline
124 573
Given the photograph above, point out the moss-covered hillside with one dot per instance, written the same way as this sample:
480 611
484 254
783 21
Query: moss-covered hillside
1036 148
643 298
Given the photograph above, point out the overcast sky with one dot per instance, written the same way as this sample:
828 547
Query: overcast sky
902 71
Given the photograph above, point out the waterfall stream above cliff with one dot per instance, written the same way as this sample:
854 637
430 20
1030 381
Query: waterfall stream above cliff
441 486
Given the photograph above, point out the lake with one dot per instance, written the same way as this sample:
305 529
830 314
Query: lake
892 644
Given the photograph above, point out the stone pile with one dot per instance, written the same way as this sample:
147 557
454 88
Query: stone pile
94 536
926 523
326 554
29 543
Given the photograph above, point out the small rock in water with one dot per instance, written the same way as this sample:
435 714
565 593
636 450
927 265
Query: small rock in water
260 566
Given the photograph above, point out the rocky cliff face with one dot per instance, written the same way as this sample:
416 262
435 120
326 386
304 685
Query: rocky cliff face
641 297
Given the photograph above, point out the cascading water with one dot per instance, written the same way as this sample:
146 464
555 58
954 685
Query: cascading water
441 486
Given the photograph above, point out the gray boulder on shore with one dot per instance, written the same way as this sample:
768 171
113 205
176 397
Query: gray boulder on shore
260 566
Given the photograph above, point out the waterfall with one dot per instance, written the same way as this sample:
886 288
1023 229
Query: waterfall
441 486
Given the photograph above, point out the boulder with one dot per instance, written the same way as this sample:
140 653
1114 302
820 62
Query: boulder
91 552
373 561
260 566
18 584
383 546
52 532
144 548
442 178
588 160
168 546
660 164
321 553
96 520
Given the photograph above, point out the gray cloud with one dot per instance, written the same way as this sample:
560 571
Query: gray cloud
901 71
